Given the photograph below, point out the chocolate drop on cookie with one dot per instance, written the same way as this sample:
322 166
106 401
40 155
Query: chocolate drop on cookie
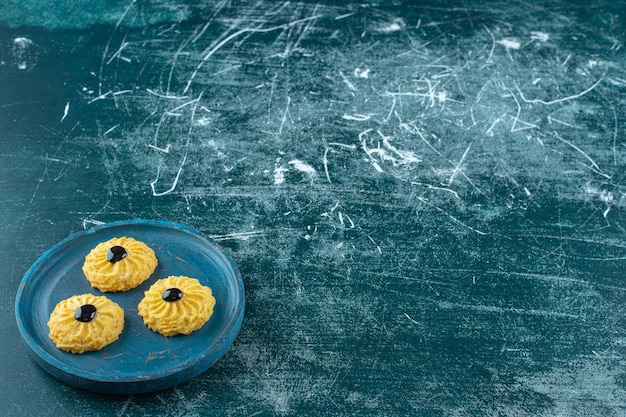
116 253
172 294
85 313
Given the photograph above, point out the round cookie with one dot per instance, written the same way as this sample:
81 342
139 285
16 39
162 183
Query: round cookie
119 264
85 322
176 305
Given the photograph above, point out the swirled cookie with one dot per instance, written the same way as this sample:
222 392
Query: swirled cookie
176 305
85 322
119 264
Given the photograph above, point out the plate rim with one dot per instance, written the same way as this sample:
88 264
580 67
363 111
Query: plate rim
228 333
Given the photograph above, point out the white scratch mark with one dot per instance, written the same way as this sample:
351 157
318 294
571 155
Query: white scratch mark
87 222
65 111
56 160
411 320
510 43
493 47
358 117
501 310
377 247
238 236
493 125
391 109
118 54
347 81
615 128
594 167
435 96
303 167
559 100
156 136
423 200
343 16
108 93
193 116
108 45
21 46
329 213
352 226
393 26
125 406
620 82
458 166
411 127
401 158
325 158
100 97
517 120
282 122
569 56
593 63
362 136
167 96
164 150
539 36
479 96
406 157
377 167
361 73
173 187
110 130
194 101
433 187
203 121
279 175
552 119
238 33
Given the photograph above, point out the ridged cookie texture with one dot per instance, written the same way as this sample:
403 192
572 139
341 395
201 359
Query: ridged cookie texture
119 264
176 305
85 323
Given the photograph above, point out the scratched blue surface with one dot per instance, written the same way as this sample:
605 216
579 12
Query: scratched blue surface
426 199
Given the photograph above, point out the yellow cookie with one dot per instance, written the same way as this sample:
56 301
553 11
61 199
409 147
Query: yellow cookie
176 305
85 322
119 264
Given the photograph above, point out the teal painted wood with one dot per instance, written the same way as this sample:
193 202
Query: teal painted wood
140 361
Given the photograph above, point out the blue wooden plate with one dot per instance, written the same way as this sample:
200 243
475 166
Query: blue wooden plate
140 360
